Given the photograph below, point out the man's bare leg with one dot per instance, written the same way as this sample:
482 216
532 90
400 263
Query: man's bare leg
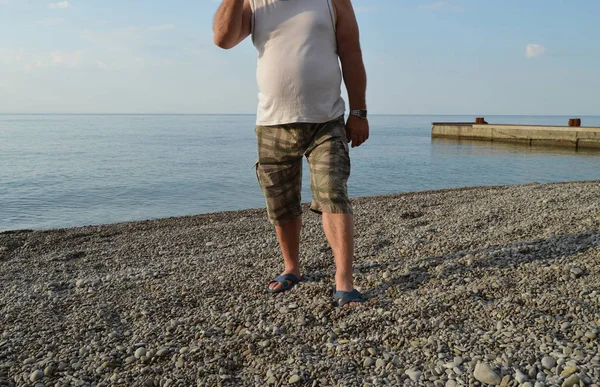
339 230
288 235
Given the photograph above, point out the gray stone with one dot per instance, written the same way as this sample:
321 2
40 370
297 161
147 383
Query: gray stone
414 375
36 375
140 352
548 362
520 377
162 352
571 381
576 272
485 374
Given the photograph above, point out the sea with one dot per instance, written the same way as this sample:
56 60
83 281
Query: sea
59 171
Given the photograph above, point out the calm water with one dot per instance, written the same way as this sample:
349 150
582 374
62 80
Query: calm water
69 170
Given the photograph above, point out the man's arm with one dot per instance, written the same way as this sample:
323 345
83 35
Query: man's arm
353 69
232 23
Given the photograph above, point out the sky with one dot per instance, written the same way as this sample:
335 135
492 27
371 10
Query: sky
531 57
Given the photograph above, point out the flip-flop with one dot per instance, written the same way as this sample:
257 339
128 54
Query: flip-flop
287 282
341 298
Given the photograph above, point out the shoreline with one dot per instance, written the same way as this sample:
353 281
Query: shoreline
305 206
463 284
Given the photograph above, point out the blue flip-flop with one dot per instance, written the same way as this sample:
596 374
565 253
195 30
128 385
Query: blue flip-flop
341 298
287 282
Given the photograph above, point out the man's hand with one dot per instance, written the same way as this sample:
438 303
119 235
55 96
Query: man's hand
357 130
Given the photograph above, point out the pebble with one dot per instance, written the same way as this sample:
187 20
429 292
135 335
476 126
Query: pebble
568 371
162 352
414 375
571 381
590 335
520 377
485 374
368 362
576 272
294 379
36 375
548 362
49 371
140 352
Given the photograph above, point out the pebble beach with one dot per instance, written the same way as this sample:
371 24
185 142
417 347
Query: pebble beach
473 286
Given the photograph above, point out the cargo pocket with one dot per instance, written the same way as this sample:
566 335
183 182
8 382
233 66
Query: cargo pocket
255 166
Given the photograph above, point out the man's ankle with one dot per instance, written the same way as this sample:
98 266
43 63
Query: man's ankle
292 270
344 283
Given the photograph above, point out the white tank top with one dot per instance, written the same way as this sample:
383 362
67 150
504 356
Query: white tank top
298 71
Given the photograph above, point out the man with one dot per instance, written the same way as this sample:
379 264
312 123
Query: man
301 113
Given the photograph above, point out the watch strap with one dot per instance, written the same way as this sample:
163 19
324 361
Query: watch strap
360 113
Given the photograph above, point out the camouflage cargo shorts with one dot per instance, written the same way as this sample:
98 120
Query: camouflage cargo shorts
279 167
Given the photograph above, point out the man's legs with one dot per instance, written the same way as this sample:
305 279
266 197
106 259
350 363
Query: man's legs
288 235
329 162
279 172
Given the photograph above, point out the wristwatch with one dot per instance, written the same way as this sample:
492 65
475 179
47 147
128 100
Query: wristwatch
360 113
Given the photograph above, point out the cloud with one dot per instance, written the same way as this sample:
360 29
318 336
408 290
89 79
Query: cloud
29 61
60 4
444 6
162 27
534 50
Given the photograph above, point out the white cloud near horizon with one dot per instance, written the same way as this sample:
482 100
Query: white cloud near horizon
534 50
59 5
28 61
